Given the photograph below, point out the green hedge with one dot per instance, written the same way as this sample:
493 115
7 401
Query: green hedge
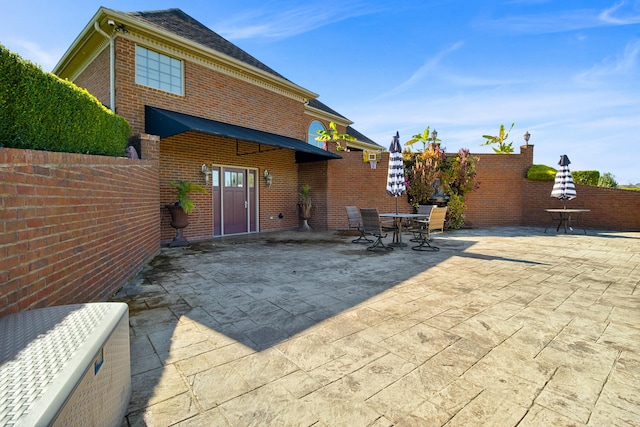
547 173
40 111
585 177
541 173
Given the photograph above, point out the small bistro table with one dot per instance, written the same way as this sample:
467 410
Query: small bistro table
567 218
398 220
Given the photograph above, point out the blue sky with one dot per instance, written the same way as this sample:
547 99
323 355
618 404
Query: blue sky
567 71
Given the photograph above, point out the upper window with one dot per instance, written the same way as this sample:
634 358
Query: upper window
313 127
158 71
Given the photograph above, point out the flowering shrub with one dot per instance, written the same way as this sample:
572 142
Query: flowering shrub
456 176
455 212
422 171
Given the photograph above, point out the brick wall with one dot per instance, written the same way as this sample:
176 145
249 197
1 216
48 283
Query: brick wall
217 96
507 197
497 201
611 209
73 228
209 94
352 182
96 77
181 158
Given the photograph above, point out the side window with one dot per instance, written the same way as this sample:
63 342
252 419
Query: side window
158 71
313 127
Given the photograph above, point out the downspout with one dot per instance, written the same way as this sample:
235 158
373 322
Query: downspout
112 67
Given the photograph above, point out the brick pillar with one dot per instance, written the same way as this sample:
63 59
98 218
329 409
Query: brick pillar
527 152
147 146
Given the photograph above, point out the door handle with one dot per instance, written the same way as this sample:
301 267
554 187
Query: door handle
246 204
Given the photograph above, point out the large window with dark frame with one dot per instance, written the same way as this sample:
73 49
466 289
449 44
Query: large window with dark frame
158 71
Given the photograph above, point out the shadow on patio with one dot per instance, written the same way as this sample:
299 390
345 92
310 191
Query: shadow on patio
309 328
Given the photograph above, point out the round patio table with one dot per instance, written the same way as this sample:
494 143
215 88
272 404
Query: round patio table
567 218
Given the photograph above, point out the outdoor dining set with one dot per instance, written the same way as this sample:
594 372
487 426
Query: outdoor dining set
370 223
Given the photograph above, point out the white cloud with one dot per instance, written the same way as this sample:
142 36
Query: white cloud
623 64
280 22
423 71
620 14
543 23
33 52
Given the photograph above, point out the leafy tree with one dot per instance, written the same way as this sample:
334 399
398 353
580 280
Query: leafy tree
455 174
607 180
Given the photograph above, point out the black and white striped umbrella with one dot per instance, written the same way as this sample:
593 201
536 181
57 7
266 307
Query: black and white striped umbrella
395 178
563 187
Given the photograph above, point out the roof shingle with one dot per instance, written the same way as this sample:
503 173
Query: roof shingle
176 21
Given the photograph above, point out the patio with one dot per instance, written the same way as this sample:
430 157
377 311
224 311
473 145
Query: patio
503 326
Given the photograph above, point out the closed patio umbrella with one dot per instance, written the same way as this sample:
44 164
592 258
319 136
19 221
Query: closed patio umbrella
395 177
563 187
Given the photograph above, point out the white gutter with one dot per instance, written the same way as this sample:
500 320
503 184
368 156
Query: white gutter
112 67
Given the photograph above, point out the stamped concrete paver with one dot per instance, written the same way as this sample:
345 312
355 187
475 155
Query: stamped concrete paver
503 326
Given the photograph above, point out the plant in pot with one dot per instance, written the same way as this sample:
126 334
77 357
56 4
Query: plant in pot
305 205
180 210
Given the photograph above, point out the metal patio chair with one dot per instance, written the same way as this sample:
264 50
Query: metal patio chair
372 226
355 223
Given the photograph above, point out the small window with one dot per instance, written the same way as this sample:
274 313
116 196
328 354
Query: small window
158 71
233 179
313 127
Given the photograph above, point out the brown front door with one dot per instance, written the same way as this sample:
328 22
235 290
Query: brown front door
235 201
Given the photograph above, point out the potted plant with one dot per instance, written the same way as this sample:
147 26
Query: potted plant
180 210
305 205
332 135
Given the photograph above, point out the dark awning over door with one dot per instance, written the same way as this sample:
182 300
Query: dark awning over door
165 123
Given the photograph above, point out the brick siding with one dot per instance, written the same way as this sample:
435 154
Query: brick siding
74 228
611 209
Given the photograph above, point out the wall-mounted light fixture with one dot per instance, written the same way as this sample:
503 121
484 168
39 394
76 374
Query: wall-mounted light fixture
207 173
268 178
527 135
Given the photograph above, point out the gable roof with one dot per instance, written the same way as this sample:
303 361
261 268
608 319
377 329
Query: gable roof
176 31
323 107
177 22
360 137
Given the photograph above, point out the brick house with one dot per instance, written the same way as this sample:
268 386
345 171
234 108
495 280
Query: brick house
214 108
